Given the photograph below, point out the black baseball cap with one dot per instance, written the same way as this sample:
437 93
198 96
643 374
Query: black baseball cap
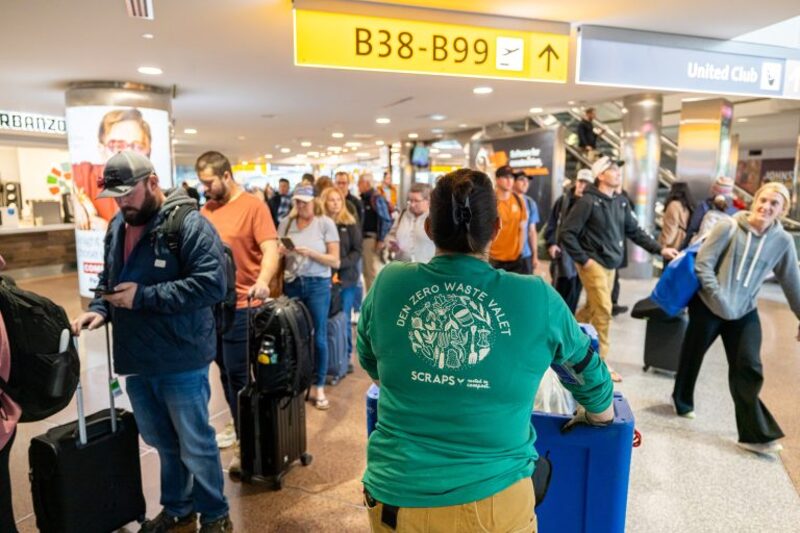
123 171
504 171
520 175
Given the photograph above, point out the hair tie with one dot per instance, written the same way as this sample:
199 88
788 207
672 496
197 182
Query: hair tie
462 214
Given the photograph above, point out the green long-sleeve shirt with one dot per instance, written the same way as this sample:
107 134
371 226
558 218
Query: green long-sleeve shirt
459 349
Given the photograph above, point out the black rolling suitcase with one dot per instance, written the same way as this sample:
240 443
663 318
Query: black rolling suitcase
272 421
663 341
86 476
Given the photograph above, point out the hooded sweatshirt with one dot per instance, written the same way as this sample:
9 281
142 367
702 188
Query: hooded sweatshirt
731 269
597 226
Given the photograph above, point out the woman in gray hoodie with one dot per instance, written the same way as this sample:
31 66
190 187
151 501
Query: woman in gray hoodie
731 265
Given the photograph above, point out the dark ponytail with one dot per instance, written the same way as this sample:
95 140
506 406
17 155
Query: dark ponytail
463 212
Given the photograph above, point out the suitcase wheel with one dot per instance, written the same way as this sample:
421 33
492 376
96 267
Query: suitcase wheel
306 459
646 368
278 484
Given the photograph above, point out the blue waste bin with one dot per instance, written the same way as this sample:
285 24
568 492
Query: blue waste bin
591 468
372 407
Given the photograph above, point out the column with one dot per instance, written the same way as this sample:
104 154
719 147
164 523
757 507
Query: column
794 212
104 118
640 148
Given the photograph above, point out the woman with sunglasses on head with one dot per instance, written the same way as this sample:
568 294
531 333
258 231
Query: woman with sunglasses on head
732 264
313 254
458 349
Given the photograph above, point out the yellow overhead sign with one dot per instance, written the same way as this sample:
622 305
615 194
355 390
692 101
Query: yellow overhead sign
338 40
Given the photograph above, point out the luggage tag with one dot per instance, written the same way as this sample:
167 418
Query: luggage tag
115 387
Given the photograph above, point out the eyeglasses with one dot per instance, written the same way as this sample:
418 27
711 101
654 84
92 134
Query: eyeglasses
116 145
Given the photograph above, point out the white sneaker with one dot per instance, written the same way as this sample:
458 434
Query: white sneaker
764 448
227 438
356 316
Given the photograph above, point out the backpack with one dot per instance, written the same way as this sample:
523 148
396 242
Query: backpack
289 323
42 379
224 311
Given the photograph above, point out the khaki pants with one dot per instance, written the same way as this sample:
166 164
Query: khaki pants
598 283
508 511
372 262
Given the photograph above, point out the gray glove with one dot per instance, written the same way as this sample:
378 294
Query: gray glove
581 416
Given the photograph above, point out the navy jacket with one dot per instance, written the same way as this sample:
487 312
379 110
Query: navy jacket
171 326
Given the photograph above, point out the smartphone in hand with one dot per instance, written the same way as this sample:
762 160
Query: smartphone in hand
287 243
103 291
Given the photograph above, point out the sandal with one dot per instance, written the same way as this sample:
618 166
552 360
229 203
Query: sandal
321 404
615 377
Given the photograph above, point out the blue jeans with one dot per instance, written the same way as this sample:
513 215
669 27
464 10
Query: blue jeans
348 300
232 361
315 293
171 411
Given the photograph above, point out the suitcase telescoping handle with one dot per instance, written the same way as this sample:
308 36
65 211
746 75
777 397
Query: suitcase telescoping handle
82 434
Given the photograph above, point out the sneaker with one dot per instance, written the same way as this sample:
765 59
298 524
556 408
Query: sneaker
164 523
223 525
686 414
618 309
763 448
235 466
227 438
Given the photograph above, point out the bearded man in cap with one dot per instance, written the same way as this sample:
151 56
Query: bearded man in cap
593 235
159 297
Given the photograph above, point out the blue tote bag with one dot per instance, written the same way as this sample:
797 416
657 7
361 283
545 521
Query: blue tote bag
679 283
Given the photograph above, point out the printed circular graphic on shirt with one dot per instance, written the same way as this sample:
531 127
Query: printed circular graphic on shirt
450 331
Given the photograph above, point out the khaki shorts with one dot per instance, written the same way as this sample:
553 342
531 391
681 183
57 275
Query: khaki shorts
508 511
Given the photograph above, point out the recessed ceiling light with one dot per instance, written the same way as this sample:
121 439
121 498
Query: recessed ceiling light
305 144
334 148
285 150
437 116
337 135
743 119
345 150
536 110
434 150
352 144
362 154
413 136
571 102
148 36
190 131
150 71
482 90
437 130
463 125
383 120
379 143
444 156
241 137
267 156
313 154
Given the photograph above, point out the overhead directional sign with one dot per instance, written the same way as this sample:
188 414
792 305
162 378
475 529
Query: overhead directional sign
339 40
627 58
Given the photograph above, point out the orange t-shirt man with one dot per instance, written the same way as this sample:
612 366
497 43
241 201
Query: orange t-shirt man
243 224
508 244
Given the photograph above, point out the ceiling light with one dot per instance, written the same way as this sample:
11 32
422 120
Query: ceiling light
305 144
434 150
313 154
334 148
267 156
463 125
383 120
413 136
437 116
150 71
190 131
300 156
245 163
482 90
437 130
337 135
743 119
379 143
444 156
571 102
285 150
536 110
345 150
352 144
362 154
241 137
148 36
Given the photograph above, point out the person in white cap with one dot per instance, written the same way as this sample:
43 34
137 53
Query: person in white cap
562 268
594 234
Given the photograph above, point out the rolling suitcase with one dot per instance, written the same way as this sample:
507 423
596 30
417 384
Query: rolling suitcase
86 476
338 357
663 341
272 430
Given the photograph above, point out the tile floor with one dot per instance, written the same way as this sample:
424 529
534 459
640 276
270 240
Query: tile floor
687 476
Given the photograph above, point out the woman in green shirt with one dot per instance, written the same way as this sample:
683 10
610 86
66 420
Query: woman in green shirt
458 349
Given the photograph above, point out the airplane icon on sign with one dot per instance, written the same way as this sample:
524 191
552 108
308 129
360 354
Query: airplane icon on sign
509 51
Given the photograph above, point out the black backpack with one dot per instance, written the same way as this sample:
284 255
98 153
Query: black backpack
42 380
224 311
288 323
